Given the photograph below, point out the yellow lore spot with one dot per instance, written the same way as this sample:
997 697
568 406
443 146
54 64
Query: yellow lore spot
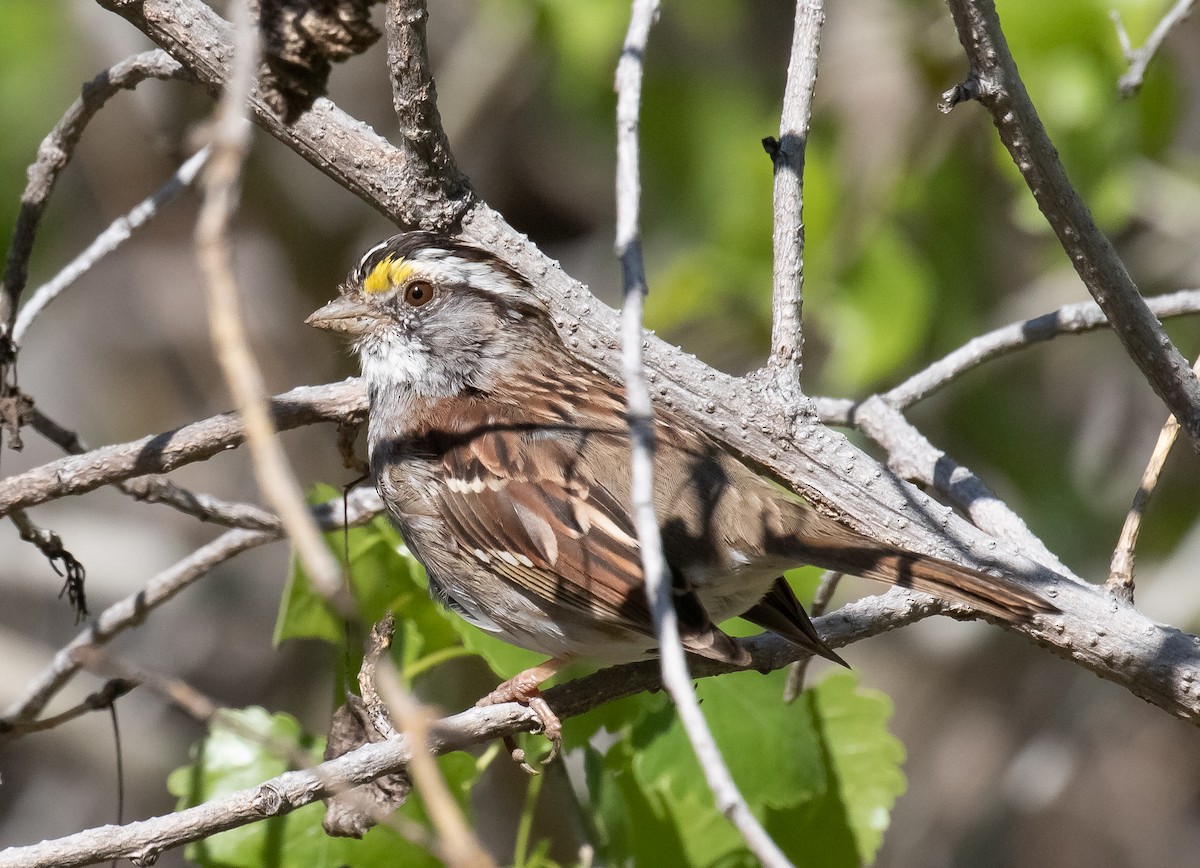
386 275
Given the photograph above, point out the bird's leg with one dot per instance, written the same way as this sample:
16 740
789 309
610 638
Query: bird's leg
524 688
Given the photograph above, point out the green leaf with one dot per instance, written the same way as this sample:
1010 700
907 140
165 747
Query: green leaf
822 774
643 826
743 708
864 758
617 718
844 826
384 576
245 753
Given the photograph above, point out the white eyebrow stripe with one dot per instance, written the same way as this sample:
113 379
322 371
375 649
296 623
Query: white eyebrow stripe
451 269
366 256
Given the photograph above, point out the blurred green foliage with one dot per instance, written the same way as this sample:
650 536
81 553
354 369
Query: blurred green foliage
29 70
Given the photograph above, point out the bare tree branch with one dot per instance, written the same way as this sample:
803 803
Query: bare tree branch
51 546
160 453
457 842
1071 319
120 231
443 192
1131 82
362 504
145 840
1120 571
158 489
128 613
230 144
112 690
995 82
54 154
787 154
347 150
1123 629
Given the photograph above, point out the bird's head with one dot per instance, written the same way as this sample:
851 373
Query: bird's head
437 317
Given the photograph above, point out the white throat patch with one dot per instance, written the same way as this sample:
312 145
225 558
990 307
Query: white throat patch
393 362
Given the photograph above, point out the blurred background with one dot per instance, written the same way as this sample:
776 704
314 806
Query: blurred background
920 235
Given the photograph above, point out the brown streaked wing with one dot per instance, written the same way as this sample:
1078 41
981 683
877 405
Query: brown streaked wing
528 503
517 500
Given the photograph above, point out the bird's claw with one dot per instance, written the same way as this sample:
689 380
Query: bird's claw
521 691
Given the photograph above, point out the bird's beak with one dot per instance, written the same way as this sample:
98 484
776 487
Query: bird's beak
343 315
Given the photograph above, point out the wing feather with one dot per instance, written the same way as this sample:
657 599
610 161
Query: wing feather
525 506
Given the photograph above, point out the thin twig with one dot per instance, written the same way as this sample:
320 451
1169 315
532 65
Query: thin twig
129 612
119 756
157 489
995 82
1131 82
1071 319
230 142
117 233
161 453
444 191
204 709
50 544
198 504
55 152
193 702
112 690
132 610
640 415
1128 637
378 642
1120 572
143 841
787 155
458 845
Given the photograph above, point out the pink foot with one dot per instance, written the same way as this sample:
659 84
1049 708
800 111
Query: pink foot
523 688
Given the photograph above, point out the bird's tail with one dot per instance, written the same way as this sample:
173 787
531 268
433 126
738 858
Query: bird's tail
839 548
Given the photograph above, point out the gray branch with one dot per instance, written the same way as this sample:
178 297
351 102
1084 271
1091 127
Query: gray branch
158 489
1131 82
161 453
640 413
787 155
1071 319
56 152
118 232
995 82
362 505
1120 636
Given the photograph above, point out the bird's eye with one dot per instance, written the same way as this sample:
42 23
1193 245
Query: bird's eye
418 293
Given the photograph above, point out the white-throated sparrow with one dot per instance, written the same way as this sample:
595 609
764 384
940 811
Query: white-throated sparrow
505 462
